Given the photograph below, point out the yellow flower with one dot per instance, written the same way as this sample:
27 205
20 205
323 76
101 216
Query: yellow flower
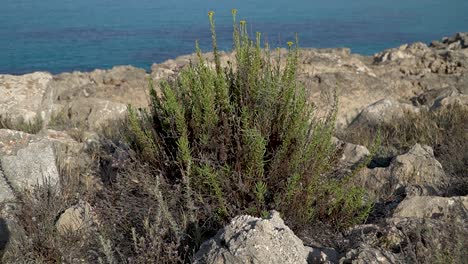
290 43
210 14
243 22
234 11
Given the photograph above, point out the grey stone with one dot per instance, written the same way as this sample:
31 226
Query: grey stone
416 167
385 111
79 217
253 240
32 165
433 207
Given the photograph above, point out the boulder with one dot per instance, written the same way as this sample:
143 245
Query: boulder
21 96
421 230
92 113
79 217
249 239
403 52
27 160
417 167
433 207
350 156
366 254
455 42
385 111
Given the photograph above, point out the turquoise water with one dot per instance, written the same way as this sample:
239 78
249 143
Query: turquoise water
67 35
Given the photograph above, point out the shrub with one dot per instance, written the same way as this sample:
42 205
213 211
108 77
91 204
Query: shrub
243 138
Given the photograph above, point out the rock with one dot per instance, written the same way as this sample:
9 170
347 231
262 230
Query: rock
416 167
366 254
322 256
253 240
448 101
21 96
433 207
79 217
351 155
121 84
6 193
457 41
433 97
385 111
27 160
93 113
418 231
402 53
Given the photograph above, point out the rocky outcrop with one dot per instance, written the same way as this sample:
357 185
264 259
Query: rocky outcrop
433 207
78 218
384 112
424 229
416 170
21 96
253 240
27 160
396 75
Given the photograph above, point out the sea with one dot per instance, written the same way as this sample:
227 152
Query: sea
68 35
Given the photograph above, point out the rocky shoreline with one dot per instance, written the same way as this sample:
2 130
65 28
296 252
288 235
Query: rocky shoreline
61 117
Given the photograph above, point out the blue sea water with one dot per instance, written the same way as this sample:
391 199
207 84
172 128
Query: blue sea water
67 35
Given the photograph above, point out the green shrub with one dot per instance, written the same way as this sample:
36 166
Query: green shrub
240 138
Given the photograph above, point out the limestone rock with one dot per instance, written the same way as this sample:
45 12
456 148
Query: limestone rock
352 155
433 207
366 254
385 111
253 240
94 113
79 217
27 160
322 256
21 96
416 167
401 53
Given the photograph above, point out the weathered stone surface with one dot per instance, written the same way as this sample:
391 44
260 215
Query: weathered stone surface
21 96
422 229
93 113
27 160
416 167
322 256
458 41
366 254
121 84
351 155
433 207
253 240
385 111
79 217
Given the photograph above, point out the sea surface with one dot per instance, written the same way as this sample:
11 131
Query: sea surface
68 35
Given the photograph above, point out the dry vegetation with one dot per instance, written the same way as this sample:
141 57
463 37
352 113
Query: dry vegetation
445 130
